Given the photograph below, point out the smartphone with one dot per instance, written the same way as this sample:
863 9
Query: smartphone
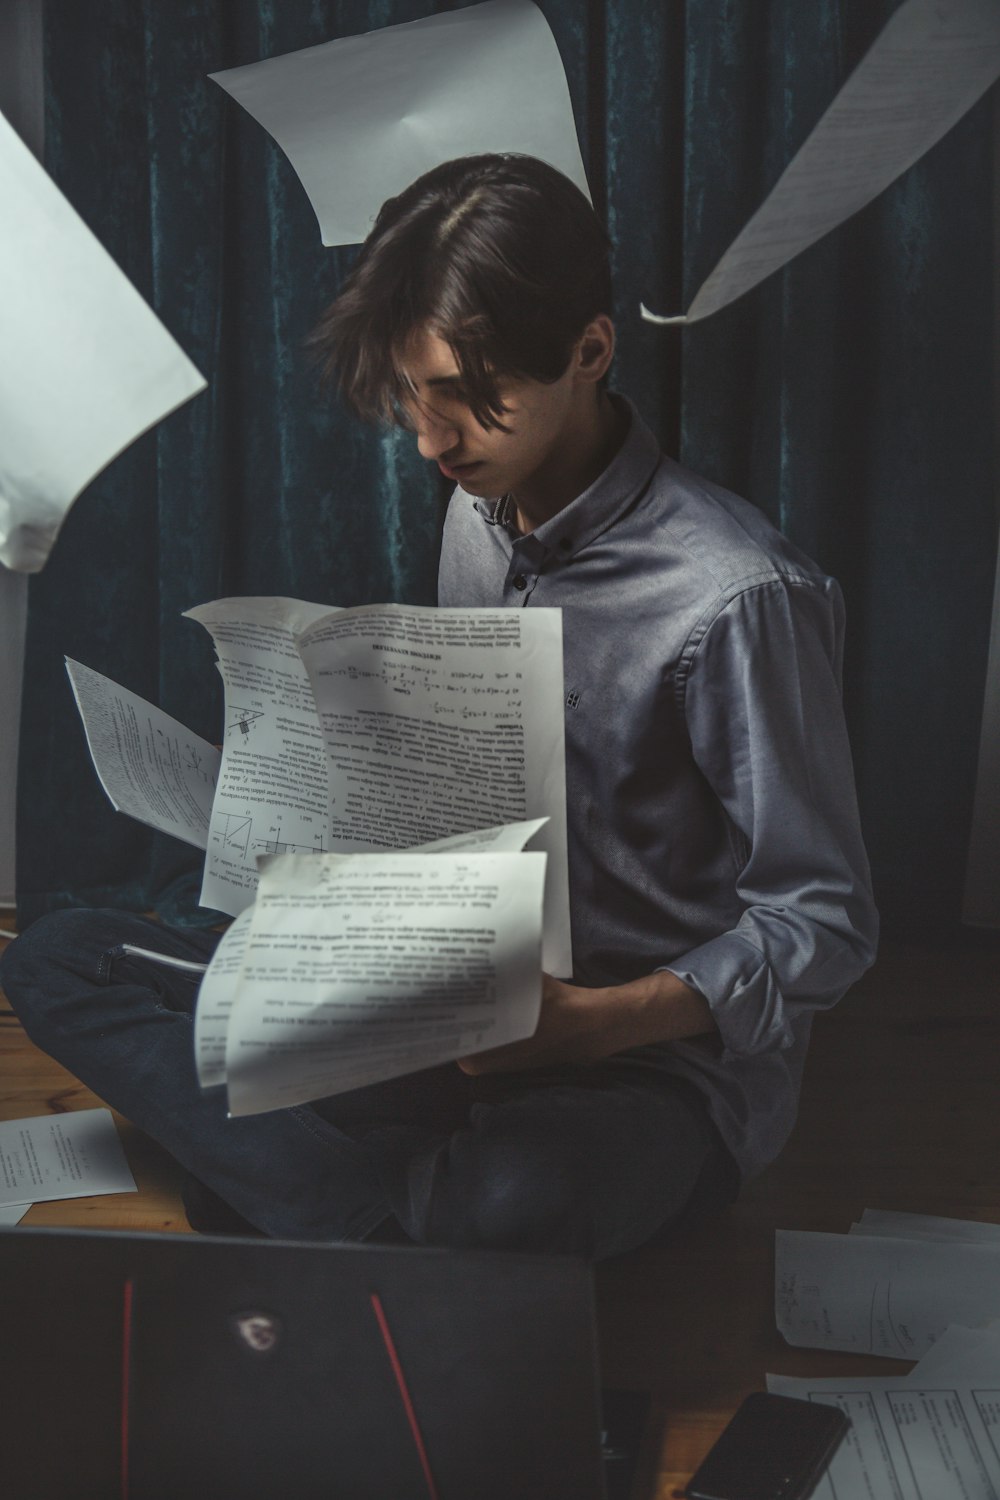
775 1448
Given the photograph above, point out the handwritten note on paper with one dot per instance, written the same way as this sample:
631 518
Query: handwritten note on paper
880 1295
362 117
360 968
71 401
149 765
929 65
75 1155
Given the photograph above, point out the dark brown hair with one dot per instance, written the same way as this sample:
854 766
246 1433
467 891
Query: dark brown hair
501 256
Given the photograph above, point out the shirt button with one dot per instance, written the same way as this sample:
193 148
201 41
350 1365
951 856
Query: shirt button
520 582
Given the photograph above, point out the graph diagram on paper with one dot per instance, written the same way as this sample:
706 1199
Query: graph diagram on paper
235 835
242 721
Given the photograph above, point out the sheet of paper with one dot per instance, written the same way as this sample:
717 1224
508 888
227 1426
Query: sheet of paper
969 1356
908 1441
889 1223
505 838
75 1155
361 117
12 1213
216 995
360 968
218 990
149 765
87 366
928 66
441 720
880 1296
272 790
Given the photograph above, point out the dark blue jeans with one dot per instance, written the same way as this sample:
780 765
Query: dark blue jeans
591 1161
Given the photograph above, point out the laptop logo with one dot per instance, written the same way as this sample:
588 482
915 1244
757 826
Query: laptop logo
259 1331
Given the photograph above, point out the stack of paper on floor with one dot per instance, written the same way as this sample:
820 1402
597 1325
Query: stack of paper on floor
931 1434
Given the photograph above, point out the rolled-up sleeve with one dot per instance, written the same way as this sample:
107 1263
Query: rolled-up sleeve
760 683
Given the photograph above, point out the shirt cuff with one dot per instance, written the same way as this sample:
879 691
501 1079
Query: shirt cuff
739 985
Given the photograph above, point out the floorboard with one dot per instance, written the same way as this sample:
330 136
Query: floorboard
899 1111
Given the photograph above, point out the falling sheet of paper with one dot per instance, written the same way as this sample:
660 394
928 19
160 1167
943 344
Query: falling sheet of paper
218 990
908 1440
876 1295
887 1222
925 70
87 366
362 117
360 968
149 765
75 1155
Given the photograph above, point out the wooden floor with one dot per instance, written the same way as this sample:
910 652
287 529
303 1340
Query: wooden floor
899 1111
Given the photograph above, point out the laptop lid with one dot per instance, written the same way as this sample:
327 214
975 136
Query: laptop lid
150 1366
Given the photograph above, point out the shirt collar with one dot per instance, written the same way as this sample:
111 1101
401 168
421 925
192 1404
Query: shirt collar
599 506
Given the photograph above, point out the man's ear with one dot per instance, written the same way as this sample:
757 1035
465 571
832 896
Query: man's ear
595 349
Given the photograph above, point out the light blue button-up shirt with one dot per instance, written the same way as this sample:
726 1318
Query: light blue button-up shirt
712 818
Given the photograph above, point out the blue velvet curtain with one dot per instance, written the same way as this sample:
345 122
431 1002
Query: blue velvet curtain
850 396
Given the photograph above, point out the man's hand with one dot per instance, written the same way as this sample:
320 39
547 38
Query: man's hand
580 1026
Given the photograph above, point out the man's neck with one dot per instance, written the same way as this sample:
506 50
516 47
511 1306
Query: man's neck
589 452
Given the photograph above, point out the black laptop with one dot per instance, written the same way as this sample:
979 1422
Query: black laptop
150 1367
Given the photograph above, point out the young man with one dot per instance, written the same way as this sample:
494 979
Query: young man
719 887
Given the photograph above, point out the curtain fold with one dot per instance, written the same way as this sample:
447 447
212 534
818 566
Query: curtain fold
849 396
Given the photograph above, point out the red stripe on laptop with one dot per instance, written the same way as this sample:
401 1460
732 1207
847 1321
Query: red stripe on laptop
126 1380
411 1416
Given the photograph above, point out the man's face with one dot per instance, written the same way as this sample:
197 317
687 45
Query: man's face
484 461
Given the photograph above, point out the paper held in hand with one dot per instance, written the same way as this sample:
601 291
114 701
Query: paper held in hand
352 969
391 732
381 728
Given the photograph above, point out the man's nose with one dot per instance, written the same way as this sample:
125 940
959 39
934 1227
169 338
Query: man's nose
434 435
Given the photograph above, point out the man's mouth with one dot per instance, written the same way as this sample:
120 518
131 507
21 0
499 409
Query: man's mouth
458 472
